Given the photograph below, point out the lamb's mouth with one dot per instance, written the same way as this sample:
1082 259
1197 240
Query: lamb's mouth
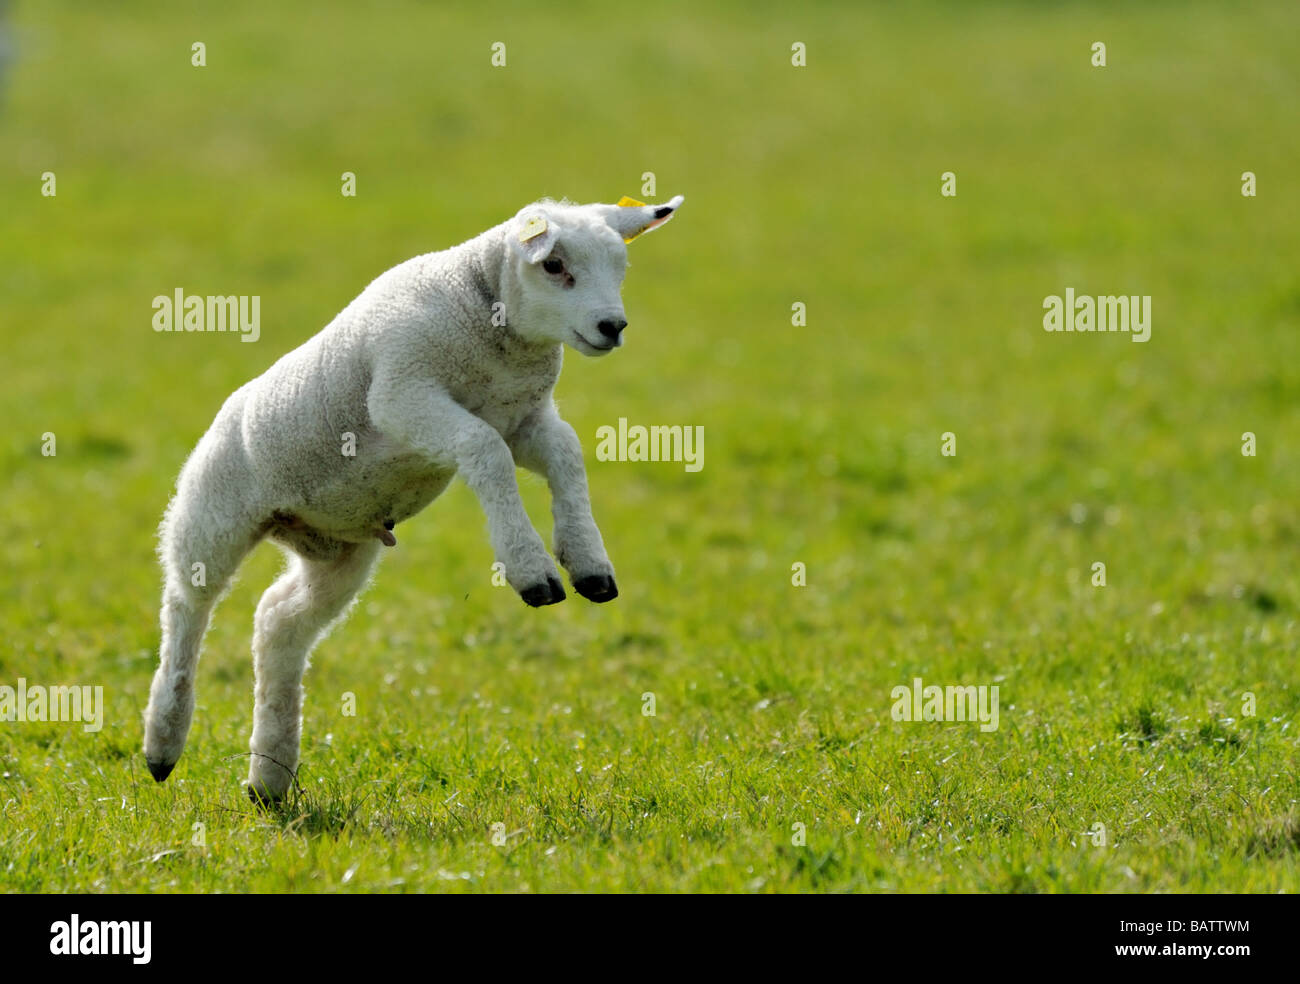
591 348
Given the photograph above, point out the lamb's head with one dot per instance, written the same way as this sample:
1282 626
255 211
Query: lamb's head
564 270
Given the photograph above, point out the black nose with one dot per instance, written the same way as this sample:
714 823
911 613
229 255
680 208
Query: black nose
611 327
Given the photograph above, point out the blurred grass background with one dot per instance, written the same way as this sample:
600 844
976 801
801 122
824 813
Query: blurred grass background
817 184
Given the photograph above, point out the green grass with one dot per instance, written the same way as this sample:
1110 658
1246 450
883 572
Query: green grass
1120 705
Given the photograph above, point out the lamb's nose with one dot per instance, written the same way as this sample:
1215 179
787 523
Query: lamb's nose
611 327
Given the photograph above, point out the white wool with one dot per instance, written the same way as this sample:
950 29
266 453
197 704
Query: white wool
445 364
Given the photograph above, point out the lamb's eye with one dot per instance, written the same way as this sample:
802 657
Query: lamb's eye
553 265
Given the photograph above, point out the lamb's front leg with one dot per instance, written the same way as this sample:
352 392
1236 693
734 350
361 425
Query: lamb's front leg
548 445
419 414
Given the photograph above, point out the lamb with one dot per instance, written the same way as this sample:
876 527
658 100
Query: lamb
445 364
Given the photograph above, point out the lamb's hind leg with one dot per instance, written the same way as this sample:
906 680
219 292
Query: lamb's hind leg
293 615
201 550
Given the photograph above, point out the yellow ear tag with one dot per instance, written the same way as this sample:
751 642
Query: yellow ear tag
533 228
630 203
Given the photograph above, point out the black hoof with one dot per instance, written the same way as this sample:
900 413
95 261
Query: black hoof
550 593
160 770
264 800
597 588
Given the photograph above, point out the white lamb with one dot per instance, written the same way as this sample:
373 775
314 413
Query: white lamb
444 364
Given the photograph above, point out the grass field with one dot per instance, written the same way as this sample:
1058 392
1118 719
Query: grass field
1121 706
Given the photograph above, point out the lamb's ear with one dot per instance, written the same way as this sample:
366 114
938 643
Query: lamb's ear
533 234
629 218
